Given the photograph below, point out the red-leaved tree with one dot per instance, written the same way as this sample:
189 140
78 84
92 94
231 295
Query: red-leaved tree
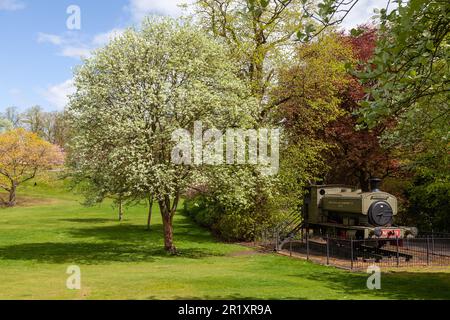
358 154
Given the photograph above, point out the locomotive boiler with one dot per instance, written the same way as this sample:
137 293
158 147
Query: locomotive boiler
344 212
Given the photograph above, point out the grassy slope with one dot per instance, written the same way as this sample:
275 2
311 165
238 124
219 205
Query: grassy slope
124 261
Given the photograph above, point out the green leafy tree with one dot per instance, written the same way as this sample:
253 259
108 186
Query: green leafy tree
259 33
5 125
13 115
233 201
261 36
428 202
411 72
33 120
409 96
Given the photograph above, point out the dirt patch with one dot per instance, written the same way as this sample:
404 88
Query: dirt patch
244 253
254 250
29 201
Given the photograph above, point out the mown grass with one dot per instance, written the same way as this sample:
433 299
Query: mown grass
125 261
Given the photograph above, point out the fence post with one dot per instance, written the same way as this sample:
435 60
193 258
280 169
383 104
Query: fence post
428 250
432 242
301 234
277 239
351 253
307 244
290 248
398 254
328 250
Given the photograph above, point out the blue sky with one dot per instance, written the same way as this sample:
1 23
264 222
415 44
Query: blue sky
38 52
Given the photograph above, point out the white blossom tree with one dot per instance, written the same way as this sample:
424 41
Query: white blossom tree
134 93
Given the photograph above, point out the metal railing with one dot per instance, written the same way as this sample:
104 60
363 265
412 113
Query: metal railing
428 250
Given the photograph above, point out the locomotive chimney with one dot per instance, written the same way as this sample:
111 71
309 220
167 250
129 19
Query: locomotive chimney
375 185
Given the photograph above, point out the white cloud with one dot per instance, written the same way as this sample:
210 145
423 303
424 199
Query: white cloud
76 52
69 44
11 5
15 91
102 39
141 8
49 38
58 95
73 46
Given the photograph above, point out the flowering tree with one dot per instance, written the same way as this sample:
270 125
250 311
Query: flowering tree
133 94
22 155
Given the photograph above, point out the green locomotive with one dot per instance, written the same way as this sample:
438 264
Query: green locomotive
343 212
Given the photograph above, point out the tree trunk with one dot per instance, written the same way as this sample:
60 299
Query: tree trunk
168 228
12 196
364 181
168 235
120 211
150 207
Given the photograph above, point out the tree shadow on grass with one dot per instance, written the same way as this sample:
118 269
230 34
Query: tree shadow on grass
396 285
93 253
83 253
88 220
112 243
183 233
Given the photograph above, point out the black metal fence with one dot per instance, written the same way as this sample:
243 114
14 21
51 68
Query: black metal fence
428 250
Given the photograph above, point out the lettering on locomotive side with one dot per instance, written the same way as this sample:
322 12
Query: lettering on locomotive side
341 203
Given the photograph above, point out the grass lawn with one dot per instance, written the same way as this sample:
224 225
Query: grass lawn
124 261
